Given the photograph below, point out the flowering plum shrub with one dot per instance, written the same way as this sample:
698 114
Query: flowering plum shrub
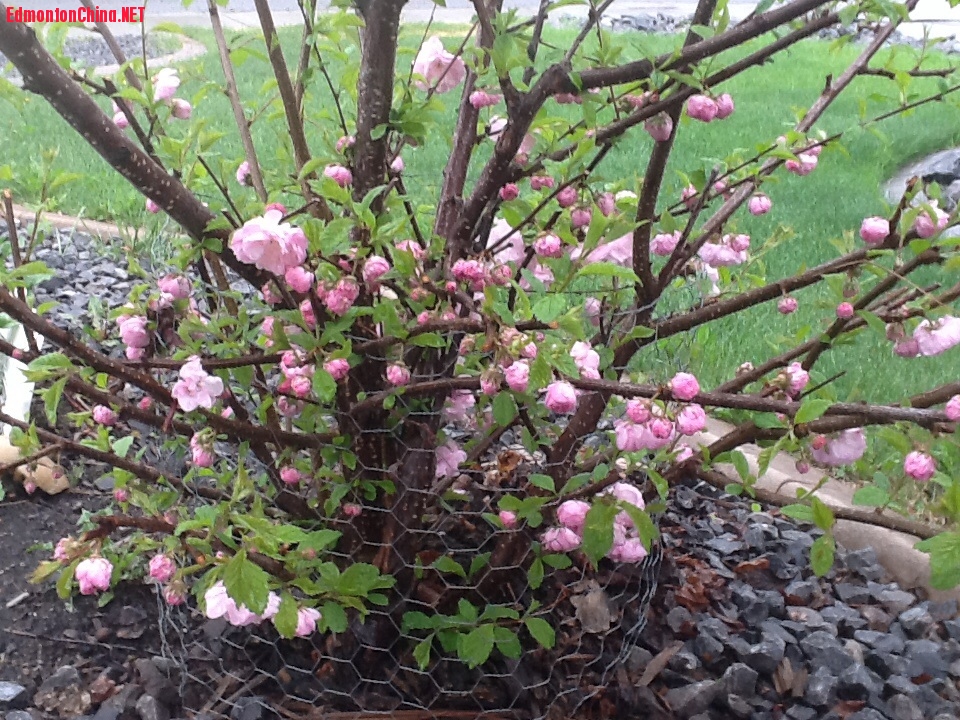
339 359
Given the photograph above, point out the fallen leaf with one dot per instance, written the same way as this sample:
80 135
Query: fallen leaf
659 662
748 566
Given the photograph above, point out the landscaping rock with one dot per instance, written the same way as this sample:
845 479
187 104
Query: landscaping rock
13 696
685 701
62 693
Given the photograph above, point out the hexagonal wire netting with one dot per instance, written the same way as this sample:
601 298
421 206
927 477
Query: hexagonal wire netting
371 668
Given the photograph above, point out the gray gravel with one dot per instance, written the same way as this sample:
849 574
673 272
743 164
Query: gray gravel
93 51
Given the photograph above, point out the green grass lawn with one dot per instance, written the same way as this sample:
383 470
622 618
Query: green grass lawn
821 207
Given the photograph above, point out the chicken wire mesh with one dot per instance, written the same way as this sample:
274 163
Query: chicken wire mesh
377 665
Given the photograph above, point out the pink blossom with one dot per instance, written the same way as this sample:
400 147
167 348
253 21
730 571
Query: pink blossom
449 457
121 495
638 410
580 217
919 466
952 408
561 398
196 388
606 203
926 226
684 386
201 452
508 518
685 452
306 621
721 255
120 120
660 127
217 603
459 406
844 449
805 164
586 359
558 540
529 351
339 368
631 550
509 192
269 244
874 230
165 84
568 99
631 437
691 420
174 596
298 278
93 575
844 310
373 269
703 108
152 207
244 173
787 305
396 166
725 106
619 252
591 308
663 244
626 492
481 99
176 286
468 271
661 429
567 196
339 174
104 415
290 475
278 207
518 376
938 336
162 567
398 375
689 197
572 513
907 348
490 382
345 141
797 378
62 551
548 245
342 297
539 182
440 70
181 109
759 204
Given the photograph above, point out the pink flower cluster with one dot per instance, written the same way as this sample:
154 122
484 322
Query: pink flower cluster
438 69
707 109
218 603
731 250
196 387
93 575
449 458
571 516
844 449
297 375
269 244
135 335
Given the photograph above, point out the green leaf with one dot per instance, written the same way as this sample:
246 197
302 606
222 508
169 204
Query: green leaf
873 322
535 573
65 581
541 631
598 530
605 269
803 513
507 641
810 410
504 409
544 482
549 307
122 446
475 647
944 551
821 554
246 583
431 340
871 496
324 386
739 461
421 653
286 618
334 616
822 515
51 399
447 564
